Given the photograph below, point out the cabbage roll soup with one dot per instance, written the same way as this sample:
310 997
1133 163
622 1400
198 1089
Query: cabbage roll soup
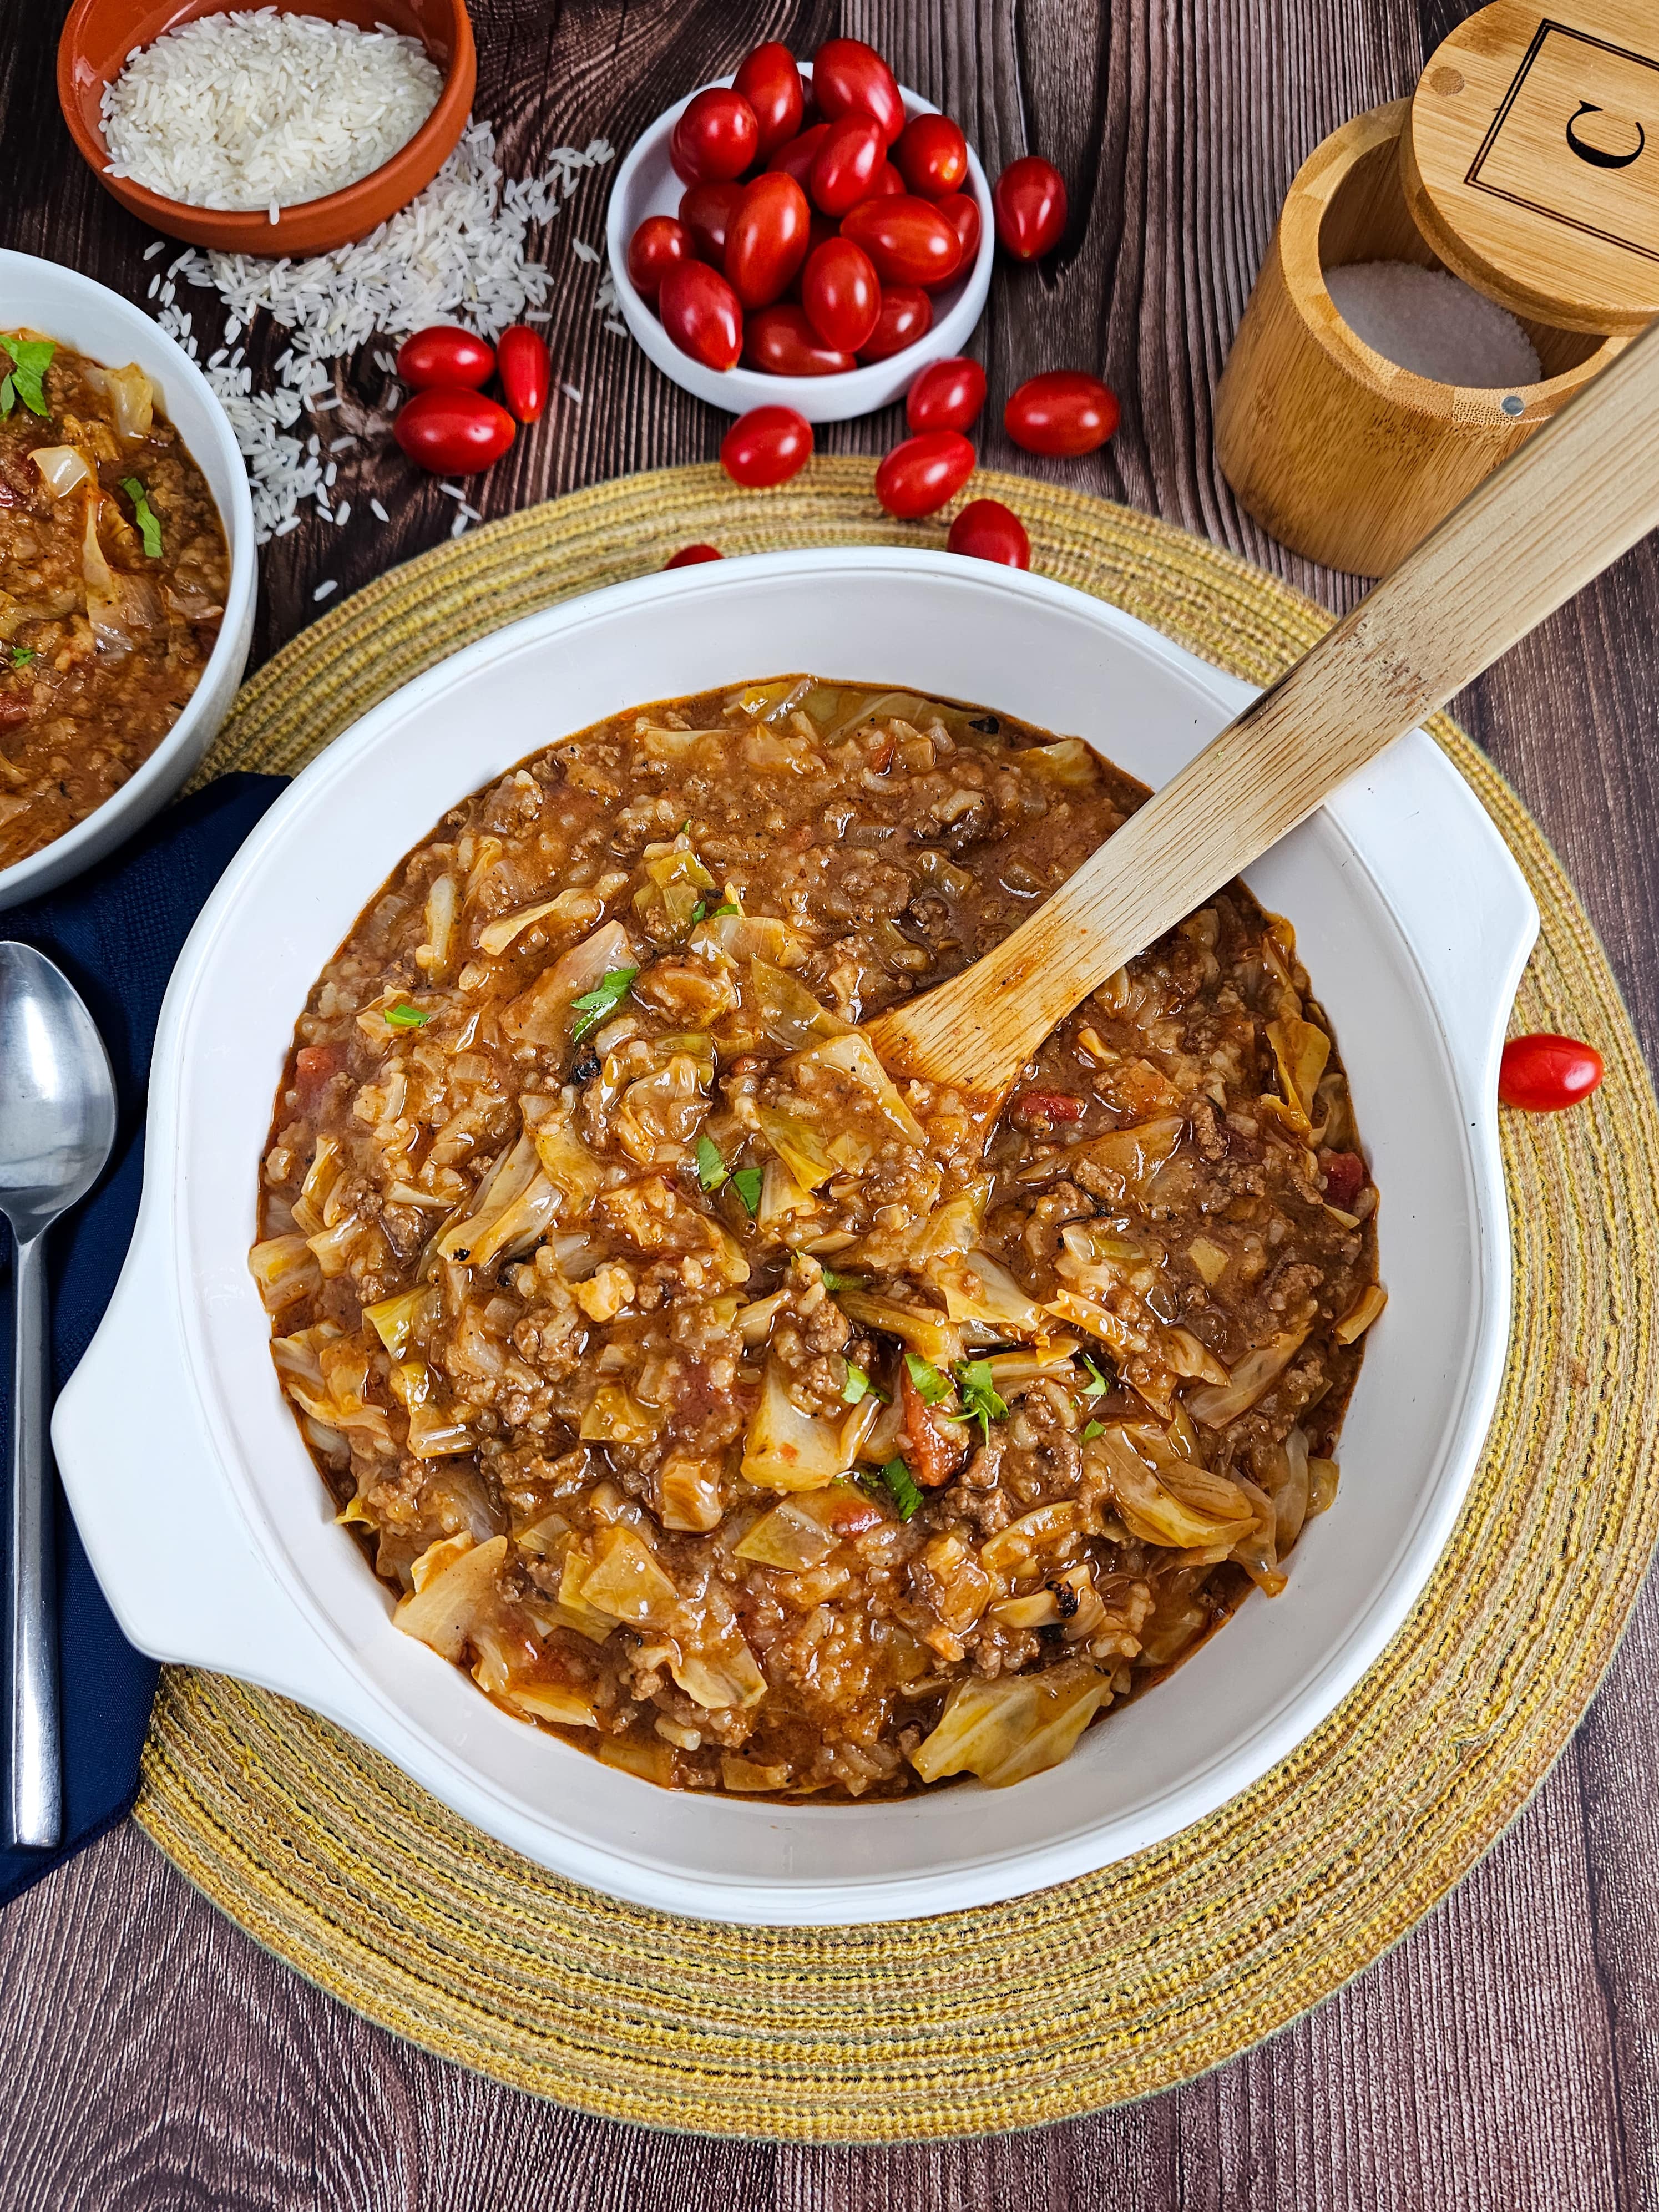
112 574
746 1417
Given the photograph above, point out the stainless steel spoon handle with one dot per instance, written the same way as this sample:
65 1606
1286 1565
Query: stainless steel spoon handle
34 1781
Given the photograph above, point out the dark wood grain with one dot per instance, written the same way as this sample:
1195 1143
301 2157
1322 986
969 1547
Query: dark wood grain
1505 2056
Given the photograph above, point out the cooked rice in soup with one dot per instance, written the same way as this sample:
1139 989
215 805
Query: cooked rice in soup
731 1410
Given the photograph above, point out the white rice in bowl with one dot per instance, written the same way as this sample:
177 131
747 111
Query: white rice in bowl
261 110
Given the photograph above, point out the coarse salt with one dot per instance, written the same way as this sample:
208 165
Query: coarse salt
1431 322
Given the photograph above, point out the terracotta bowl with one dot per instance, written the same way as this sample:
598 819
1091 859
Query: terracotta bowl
100 34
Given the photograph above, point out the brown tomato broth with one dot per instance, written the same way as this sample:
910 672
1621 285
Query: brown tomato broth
114 569
728 1408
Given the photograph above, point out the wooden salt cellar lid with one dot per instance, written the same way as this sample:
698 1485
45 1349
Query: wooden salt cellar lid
1530 163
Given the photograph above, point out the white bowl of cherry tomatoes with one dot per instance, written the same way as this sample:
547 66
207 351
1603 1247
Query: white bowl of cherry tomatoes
813 236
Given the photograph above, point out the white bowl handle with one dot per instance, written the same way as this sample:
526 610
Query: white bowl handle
1486 918
170 1549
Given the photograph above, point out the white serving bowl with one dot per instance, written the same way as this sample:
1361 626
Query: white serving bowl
206 1521
646 185
64 305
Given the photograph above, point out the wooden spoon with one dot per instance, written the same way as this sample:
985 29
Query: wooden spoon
1567 505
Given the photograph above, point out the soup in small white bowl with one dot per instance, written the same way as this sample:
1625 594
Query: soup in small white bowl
201 1508
156 587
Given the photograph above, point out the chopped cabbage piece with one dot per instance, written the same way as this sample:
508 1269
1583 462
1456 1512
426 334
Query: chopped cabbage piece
546 1701
1018 1726
624 1580
786 1449
1219 1403
443 1612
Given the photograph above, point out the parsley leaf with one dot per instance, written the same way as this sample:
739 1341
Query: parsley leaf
980 1398
725 906
902 1488
1094 1429
30 359
931 1385
20 656
405 1016
149 527
832 1281
712 1170
1096 1386
746 1182
593 1006
859 1386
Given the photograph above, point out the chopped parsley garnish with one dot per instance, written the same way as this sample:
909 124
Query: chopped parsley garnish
593 1006
405 1016
149 527
859 1386
712 1170
902 1488
832 1281
30 359
725 906
698 912
980 1398
746 1182
931 1385
1096 1386
1094 1429
20 656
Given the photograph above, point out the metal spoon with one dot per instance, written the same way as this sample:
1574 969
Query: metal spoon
57 1125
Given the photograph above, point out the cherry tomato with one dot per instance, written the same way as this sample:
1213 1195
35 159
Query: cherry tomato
453 431
689 556
1065 412
908 239
906 314
795 156
447 356
961 211
700 312
849 78
656 245
766 447
924 472
1544 1073
526 371
716 137
766 239
931 155
840 294
781 342
986 530
947 396
848 156
886 184
770 82
705 210
1030 200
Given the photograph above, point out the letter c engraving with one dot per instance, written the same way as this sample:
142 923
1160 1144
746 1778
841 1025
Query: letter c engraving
1595 155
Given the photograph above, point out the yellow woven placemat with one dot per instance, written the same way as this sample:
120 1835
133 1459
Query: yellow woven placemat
1156 1969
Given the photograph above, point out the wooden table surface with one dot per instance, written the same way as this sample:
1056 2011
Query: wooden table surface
1507 2054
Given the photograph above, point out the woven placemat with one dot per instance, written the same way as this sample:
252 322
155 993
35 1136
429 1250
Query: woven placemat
1134 1978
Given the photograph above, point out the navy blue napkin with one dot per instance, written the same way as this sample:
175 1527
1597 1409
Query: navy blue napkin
116 933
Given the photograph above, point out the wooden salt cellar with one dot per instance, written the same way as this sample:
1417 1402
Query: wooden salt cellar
1526 163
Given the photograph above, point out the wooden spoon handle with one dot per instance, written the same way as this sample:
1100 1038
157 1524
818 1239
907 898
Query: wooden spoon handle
1576 496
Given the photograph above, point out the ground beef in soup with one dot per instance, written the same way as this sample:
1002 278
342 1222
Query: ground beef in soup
113 577
746 1417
